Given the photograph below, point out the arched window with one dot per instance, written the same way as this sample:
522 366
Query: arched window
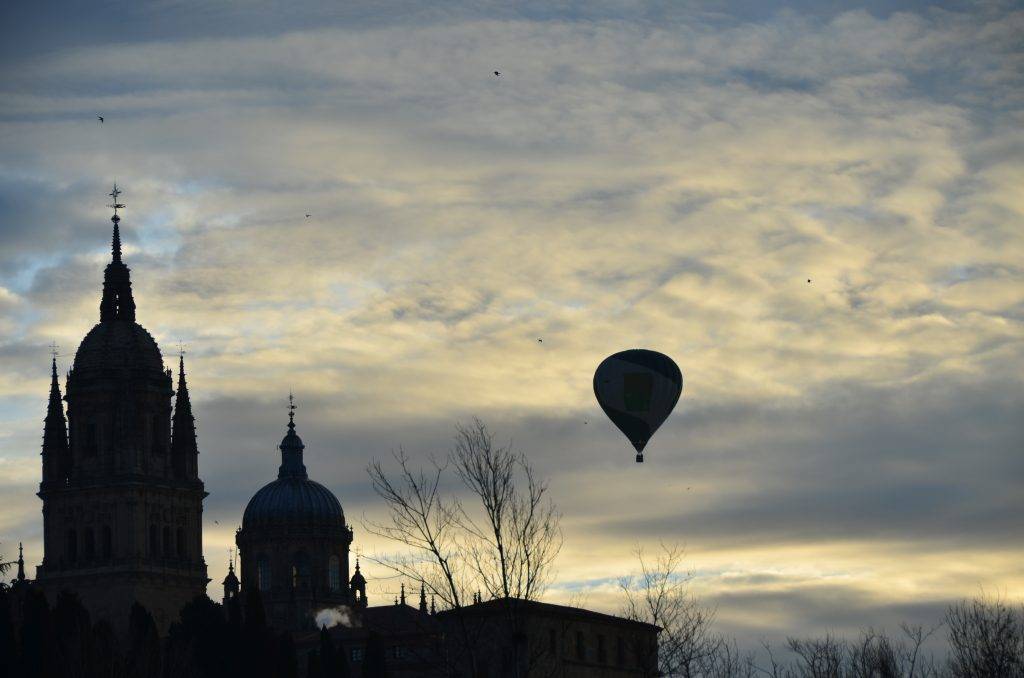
300 570
181 542
154 542
108 543
263 573
72 546
334 573
168 547
88 544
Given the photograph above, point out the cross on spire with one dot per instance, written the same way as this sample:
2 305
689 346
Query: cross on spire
53 349
116 205
291 409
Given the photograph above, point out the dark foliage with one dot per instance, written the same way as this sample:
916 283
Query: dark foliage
207 641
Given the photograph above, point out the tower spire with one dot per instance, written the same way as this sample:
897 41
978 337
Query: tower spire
423 598
184 449
21 564
56 455
291 447
117 302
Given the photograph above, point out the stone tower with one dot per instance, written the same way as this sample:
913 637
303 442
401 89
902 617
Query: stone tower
122 498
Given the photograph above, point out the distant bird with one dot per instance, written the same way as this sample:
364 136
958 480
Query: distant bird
808 280
540 341
497 74
100 118
216 522
308 216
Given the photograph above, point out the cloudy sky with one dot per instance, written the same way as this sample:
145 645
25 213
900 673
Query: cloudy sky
847 452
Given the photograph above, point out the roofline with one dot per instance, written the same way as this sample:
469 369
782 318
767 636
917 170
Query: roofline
579 612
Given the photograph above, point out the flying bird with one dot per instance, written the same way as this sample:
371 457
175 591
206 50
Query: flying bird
497 73
540 341
100 118
308 215
808 280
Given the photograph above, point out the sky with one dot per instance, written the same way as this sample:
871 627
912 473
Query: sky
847 451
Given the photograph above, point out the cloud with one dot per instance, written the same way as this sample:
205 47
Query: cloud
653 177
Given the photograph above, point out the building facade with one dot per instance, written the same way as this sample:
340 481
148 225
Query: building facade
122 498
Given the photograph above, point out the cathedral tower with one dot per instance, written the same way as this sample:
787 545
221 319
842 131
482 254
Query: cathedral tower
122 498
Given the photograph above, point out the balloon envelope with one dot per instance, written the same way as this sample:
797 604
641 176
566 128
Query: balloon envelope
638 389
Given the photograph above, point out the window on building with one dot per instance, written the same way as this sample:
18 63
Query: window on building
620 651
263 573
108 543
181 542
88 544
71 549
92 439
154 542
357 654
334 573
168 547
300 570
600 649
553 641
580 649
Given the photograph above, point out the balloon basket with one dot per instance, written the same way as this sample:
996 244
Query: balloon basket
639 458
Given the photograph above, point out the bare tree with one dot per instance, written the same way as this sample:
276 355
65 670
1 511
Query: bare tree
658 595
501 543
819 657
986 638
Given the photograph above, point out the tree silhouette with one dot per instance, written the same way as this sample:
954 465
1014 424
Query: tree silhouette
8 649
143 657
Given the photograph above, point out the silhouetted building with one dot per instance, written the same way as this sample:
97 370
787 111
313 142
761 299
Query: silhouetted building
294 544
122 498
547 640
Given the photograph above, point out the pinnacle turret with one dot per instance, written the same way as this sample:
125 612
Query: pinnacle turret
56 455
184 450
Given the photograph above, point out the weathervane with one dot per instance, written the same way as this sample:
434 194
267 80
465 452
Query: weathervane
116 205
53 349
291 409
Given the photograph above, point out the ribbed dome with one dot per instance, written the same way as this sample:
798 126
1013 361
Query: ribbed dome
118 344
293 501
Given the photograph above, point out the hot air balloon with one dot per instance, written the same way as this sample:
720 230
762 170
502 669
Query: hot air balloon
637 389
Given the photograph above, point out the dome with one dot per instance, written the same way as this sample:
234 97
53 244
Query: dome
293 501
118 344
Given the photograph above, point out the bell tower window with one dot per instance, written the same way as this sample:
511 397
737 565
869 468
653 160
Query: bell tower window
334 573
88 544
300 571
71 549
263 573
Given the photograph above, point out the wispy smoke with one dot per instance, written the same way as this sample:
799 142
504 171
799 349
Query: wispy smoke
332 616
